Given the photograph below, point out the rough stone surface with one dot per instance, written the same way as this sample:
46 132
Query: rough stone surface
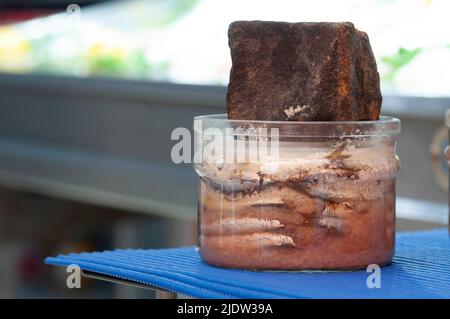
301 72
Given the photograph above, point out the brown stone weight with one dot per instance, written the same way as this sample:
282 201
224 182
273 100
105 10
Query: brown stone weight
301 72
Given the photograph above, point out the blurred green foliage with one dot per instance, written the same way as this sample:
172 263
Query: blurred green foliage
398 60
178 9
52 52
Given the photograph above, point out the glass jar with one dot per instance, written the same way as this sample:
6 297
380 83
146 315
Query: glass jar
296 195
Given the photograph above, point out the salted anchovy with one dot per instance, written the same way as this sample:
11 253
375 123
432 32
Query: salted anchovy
252 241
233 204
268 239
330 220
285 197
244 187
328 211
337 163
268 203
338 210
337 153
243 225
332 223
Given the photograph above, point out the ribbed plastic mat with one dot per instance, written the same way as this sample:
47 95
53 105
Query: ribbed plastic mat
421 269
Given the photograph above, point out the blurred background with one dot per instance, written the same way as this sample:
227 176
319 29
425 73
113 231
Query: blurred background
91 90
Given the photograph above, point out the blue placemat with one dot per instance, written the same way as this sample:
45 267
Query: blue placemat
421 269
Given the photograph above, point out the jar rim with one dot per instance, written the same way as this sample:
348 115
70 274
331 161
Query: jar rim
385 126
